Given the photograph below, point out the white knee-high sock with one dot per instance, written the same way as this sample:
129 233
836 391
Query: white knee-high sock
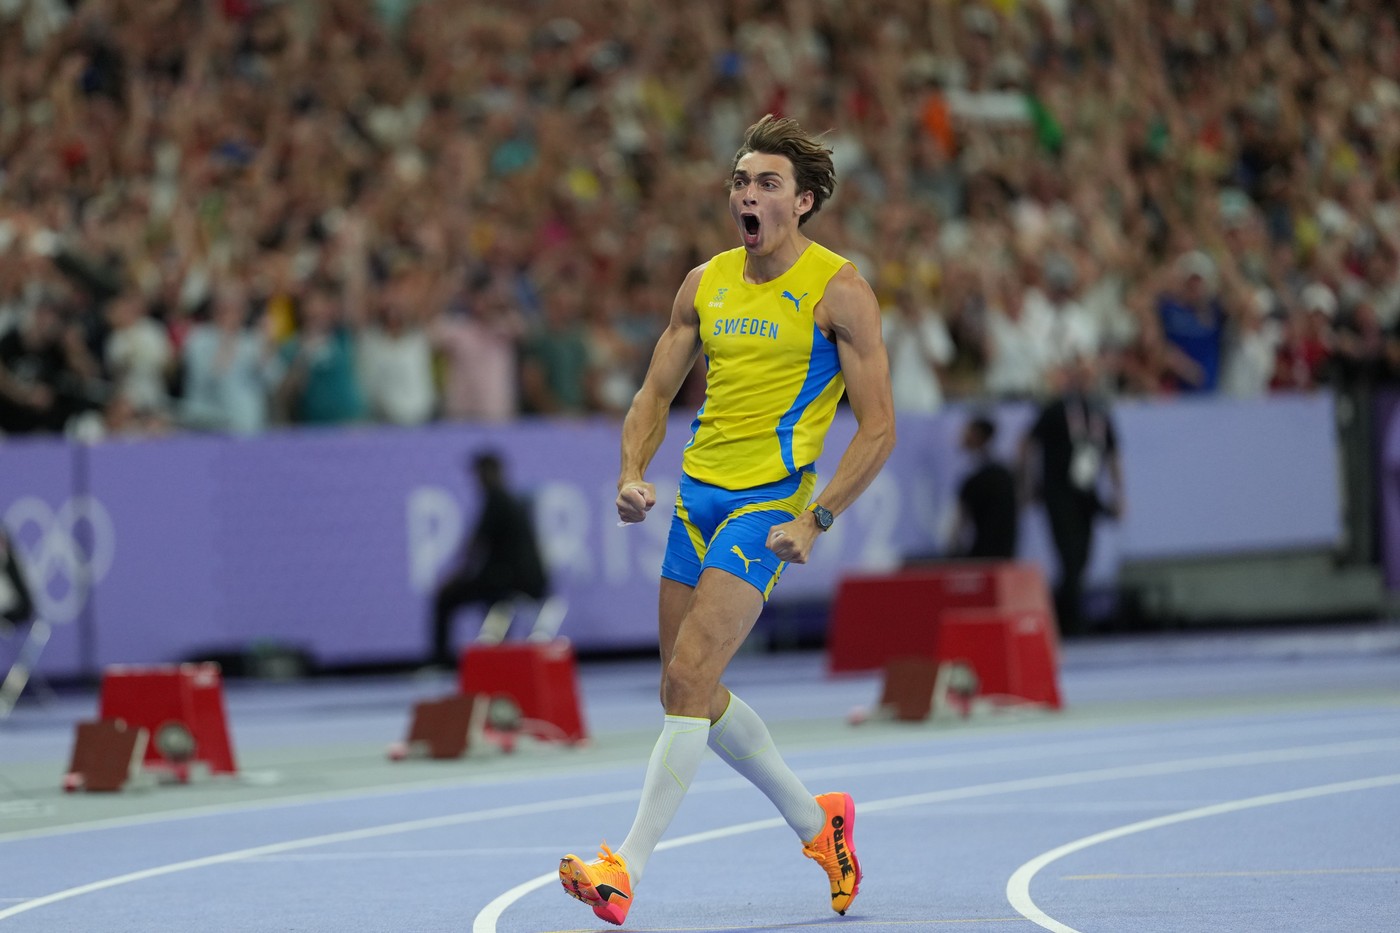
672 767
742 740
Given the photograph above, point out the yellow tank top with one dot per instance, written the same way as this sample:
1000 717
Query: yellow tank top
772 378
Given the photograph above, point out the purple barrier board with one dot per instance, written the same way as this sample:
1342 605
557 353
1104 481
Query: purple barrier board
64 540
1214 476
332 541
1387 434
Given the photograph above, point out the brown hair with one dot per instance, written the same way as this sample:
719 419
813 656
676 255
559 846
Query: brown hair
811 161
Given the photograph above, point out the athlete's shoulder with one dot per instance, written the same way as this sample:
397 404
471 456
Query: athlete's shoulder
849 300
821 255
848 284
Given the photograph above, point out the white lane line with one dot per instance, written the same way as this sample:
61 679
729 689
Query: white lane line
372 856
1018 888
815 924
976 790
1257 873
486 920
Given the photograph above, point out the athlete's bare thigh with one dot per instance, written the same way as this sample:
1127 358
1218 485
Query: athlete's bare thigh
674 601
701 630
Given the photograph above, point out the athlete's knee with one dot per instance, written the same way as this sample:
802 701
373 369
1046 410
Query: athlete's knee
686 689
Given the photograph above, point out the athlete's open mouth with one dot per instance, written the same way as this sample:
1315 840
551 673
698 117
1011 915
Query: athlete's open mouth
750 223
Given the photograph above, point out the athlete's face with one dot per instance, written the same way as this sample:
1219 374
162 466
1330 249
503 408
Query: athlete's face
764 201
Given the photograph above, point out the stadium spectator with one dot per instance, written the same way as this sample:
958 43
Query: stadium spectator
554 369
1305 349
320 384
1018 346
1252 347
920 350
139 356
1362 353
1193 319
1150 366
47 374
614 356
395 353
1073 331
228 367
478 341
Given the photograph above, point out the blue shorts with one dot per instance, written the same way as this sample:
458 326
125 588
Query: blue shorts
728 529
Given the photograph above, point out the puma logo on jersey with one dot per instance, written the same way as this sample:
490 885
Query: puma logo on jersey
796 299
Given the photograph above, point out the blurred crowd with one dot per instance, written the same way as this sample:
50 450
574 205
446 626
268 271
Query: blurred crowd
223 215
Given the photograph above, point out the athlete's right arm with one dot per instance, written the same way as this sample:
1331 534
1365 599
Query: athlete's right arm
645 425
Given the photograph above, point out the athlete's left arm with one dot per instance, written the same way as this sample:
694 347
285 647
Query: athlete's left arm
850 313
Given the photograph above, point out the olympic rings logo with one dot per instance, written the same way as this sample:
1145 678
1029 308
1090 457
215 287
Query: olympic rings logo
65 552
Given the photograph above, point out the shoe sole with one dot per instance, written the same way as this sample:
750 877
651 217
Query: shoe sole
574 877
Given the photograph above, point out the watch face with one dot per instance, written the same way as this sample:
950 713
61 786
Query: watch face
824 516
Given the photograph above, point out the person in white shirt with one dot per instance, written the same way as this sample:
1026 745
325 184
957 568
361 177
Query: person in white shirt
1251 348
920 350
1074 334
1017 343
396 357
229 368
139 355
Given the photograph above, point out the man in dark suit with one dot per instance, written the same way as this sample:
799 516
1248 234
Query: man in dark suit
500 560
986 523
1077 447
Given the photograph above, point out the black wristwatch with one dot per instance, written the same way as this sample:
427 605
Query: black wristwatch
823 516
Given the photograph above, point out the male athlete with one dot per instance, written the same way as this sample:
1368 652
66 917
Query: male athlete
785 325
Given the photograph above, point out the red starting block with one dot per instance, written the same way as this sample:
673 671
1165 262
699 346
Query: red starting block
878 617
440 729
541 679
106 756
994 618
1013 652
181 707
